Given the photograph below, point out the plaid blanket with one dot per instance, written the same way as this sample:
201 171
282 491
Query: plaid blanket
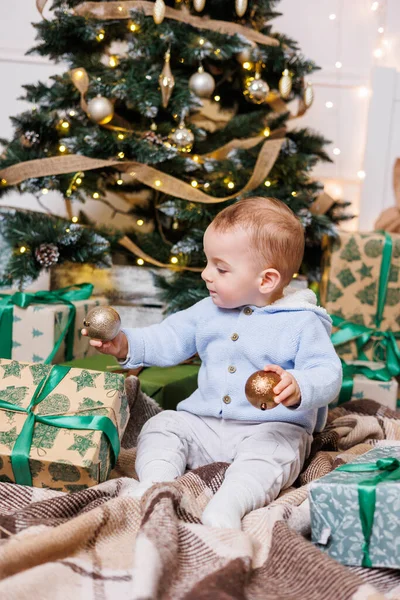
101 543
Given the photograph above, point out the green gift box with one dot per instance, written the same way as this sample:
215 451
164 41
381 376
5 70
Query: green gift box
355 510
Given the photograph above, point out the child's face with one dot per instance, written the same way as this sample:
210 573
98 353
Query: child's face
232 274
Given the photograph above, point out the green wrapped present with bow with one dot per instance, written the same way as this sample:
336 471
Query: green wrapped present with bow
370 380
60 427
360 289
355 510
46 326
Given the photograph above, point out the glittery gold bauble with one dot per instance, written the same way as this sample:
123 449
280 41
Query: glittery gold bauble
199 5
166 80
201 83
100 110
182 138
240 7
259 389
308 95
102 323
285 84
256 90
159 12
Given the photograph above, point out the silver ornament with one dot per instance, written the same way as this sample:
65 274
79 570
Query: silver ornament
159 12
100 110
182 138
308 95
285 84
256 90
102 323
199 5
240 7
202 83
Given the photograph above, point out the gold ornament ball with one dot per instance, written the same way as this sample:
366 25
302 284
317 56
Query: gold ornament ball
259 389
202 83
256 90
100 110
182 138
102 323
285 84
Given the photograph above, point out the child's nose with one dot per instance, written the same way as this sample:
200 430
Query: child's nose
205 275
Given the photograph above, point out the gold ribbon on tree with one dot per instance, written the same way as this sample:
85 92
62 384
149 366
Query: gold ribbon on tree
389 219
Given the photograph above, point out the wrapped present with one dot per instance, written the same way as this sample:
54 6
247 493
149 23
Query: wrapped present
59 427
367 379
46 326
360 288
355 510
169 385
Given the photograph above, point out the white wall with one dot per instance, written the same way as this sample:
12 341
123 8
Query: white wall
350 38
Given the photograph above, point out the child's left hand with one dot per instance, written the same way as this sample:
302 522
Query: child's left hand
287 391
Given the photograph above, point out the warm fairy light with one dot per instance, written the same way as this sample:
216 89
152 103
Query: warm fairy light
231 185
78 74
78 181
119 182
67 230
202 41
332 16
121 136
247 65
139 222
194 183
96 195
294 194
113 61
217 51
378 53
338 64
140 261
295 275
132 26
157 183
174 260
4 181
22 249
120 8
62 148
267 132
217 98
329 104
45 191
363 91
381 29
375 6
206 185
121 154
65 124
336 151
100 35
72 113
74 219
196 158
361 174
267 183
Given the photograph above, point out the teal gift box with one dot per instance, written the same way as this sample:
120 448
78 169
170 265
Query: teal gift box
355 510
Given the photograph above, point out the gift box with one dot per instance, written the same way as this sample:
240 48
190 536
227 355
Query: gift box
370 380
360 288
60 427
355 510
46 326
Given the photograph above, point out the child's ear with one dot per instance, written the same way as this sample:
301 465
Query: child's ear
270 281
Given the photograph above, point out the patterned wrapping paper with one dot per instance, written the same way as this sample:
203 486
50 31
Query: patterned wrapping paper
59 458
37 328
335 516
350 285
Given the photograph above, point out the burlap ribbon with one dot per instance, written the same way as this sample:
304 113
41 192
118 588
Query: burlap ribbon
389 219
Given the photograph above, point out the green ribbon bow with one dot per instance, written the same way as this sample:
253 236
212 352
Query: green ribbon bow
386 348
67 295
349 371
367 494
22 446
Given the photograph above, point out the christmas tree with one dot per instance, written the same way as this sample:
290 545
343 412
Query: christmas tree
181 108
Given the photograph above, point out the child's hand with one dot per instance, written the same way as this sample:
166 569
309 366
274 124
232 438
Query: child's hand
287 390
117 347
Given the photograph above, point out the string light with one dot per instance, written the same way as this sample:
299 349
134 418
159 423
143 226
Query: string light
329 104
113 61
231 185
361 174
140 261
121 154
332 17
119 182
62 148
338 64
100 36
45 191
74 219
78 181
196 158
77 74
336 151
217 51
22 249
157 183
375 6
363 91
247 65
381 29
96 195
72 113
139 222
67 230
202 41
121 136
267 183
4 181
206 185
174 260
294 194
132 26
267 132
217 98
65 124
194 183
378 52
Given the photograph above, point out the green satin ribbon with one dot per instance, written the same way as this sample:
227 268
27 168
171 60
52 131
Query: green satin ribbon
349 371
67 295
385 348
367 494
22 446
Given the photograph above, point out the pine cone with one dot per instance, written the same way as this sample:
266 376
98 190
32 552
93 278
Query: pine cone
153 138
47 255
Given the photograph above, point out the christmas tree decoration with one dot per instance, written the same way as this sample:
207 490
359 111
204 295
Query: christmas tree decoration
159 12
240 7
47 255
201 83
199 5
182 137
285 84
308 94
259 389
100 110
256 89
166 80
102 323
245 55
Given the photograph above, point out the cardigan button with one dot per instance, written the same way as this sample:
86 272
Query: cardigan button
248 310
227 399
234 337
232 369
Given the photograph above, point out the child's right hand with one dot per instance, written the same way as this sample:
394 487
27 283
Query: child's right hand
117 347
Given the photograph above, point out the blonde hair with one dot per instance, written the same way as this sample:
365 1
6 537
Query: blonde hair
275 232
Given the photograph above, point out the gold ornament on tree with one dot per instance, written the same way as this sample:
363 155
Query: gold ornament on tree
259 389
100 110
285 84
244 56
308 94
102 323
202 83
199 5
256 89
166 80
240 7
182 137
159 12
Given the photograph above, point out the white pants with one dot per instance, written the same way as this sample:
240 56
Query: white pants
265 457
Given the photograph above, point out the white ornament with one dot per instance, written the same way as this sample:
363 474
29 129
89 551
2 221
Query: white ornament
100 110
199 5
202 83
